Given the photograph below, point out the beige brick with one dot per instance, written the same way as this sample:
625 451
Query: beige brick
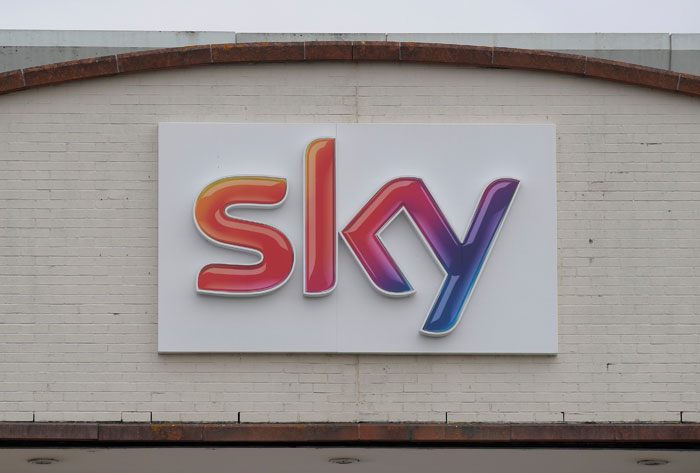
78 266
136 416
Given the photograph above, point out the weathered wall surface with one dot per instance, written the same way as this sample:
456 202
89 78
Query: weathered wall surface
78 269
27 48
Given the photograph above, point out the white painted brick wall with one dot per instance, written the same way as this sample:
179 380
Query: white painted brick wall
78 253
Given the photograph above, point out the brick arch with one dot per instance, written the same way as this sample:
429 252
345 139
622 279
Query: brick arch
364 51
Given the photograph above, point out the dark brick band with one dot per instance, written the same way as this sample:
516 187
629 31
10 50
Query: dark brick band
363 51
349 434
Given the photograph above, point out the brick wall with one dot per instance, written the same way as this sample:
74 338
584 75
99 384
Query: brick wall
78 265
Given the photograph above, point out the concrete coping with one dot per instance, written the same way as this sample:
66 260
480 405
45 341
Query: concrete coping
614 435
350 51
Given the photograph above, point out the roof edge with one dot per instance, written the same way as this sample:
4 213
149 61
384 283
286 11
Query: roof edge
617 435
350 51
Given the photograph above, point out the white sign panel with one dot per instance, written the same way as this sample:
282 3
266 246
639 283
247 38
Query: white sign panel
357 238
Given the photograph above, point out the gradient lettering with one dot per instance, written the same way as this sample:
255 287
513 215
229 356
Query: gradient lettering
320 237
462 260
271 245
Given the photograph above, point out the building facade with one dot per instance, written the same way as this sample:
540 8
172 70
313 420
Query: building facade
79 271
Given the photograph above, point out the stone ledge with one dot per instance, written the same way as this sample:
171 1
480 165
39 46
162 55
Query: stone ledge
541 434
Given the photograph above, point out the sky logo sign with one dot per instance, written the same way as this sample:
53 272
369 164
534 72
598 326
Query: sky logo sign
357 238
461 259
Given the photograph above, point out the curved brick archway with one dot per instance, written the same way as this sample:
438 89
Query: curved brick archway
421 53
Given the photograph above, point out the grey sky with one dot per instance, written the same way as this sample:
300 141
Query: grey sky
546 16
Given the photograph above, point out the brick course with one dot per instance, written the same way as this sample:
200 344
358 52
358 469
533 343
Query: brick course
358 51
